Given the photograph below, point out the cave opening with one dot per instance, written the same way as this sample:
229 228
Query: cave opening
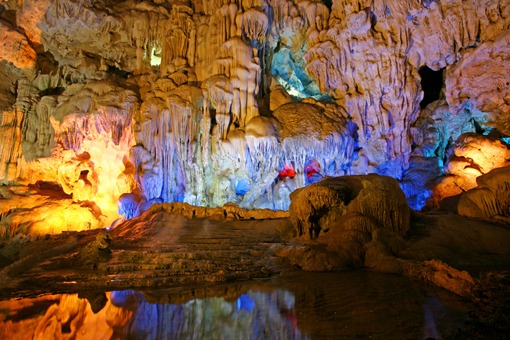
432 83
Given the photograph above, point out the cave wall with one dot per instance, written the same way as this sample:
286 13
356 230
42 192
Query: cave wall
210 102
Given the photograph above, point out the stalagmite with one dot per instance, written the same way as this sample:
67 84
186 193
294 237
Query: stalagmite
212 141
206 102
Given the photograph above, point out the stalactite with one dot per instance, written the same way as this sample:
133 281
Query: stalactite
188 82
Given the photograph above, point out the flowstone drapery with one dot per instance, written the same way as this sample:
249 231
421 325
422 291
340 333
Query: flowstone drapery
205 102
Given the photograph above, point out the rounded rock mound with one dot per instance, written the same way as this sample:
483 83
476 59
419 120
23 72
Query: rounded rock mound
338 202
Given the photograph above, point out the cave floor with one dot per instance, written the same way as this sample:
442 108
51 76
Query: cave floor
166 250
466 244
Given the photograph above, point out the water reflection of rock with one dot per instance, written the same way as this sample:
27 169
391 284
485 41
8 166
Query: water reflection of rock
127 314
351 304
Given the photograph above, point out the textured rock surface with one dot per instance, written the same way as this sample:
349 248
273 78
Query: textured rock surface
160 249
157 249
484 68
490 200
31 211
122 104
353 219
96 251
205 102
472 156
350 202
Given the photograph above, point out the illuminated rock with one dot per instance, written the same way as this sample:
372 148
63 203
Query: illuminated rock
29 15
229 212
16 48
204 102
161 248
78 178
433 135
472 156
483 69
480 153
45 209
356 59
351 202
490 200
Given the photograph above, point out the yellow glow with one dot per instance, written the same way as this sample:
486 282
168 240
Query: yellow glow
474 155
155 56
69 317
108 160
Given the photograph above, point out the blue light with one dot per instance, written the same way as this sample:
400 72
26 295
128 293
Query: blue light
242 187
289 68
245 302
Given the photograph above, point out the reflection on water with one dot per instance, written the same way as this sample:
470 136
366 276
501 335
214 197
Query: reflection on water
347 305
253 315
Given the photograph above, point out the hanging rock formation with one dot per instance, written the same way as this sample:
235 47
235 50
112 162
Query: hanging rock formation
205 102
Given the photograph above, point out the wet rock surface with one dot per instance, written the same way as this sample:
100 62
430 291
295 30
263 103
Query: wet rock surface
491 317
158 249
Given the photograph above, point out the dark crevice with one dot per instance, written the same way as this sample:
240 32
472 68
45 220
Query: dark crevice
66 327
328 3
8 16
50 189
84 174
52 91
373 20
431 83
118 72
46 62
478 128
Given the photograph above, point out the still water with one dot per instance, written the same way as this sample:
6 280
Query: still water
346 305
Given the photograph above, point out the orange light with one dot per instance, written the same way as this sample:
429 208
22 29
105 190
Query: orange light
108 160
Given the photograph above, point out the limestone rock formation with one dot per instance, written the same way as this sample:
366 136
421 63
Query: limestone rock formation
350 202
95 251
205 102
484 68
349 222
490 200
31 211
16 48
340 220
161 248
434 134
228 212
472 156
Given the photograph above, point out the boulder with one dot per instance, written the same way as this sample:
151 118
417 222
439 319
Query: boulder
359 203
490 200
346 221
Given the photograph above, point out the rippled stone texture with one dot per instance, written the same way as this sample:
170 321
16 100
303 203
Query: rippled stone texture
205 102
